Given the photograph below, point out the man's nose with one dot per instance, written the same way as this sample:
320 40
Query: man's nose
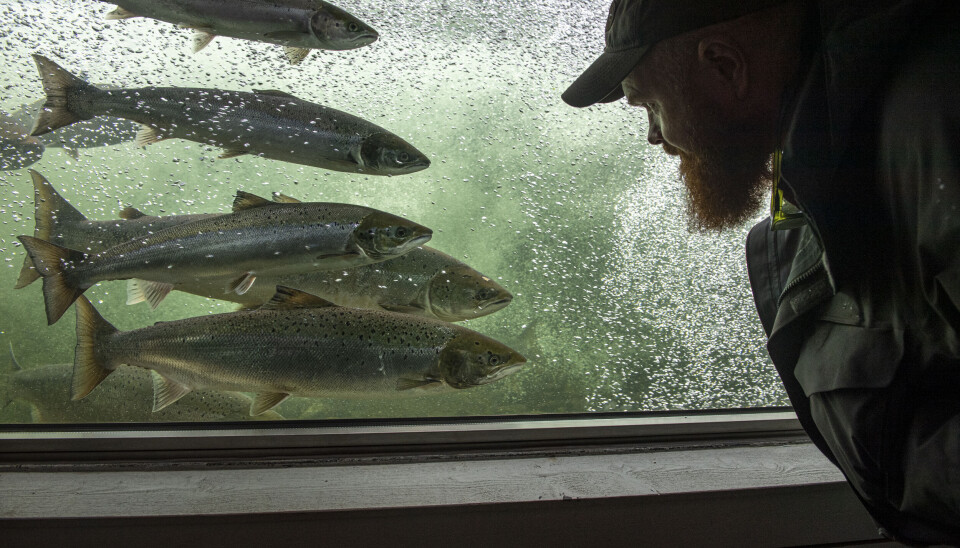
654 136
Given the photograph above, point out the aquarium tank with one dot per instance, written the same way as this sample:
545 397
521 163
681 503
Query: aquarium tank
381 211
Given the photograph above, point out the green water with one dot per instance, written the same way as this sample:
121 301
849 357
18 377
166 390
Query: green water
617 306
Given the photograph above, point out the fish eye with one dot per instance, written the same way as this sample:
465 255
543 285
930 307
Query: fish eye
494 360
401 232
353 27
403 157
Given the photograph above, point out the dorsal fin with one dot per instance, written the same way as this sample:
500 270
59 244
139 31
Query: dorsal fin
287 298
282 198
275 93
245 200
131 212
51 209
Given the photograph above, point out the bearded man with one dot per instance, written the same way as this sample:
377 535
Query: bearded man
848 113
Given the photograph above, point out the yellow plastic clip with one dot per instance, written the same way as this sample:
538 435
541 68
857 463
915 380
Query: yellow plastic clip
783 214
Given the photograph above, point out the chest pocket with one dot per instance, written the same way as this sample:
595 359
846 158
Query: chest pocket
839 352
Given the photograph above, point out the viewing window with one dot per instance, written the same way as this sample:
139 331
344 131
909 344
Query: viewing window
564 222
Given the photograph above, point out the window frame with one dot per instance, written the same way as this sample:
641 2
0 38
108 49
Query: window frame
385 437
664 476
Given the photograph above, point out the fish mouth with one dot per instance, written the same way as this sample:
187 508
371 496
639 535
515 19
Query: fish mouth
419 165
501 373
365 38
417 242
498 304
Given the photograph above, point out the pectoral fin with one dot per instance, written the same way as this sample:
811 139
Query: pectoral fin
120 13
147 135
266 401
287 298
355 155
232 153
409 384
242 284
201 39
295 55
145 290
166 391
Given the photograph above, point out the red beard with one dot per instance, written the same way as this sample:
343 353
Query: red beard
725 186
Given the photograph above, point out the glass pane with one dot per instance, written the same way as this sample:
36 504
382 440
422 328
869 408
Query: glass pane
616 305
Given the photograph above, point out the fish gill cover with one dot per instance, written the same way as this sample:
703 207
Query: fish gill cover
615 305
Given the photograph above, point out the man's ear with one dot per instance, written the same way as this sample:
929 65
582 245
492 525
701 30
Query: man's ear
724 59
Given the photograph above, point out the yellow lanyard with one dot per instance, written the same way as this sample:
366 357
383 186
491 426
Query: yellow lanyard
783 214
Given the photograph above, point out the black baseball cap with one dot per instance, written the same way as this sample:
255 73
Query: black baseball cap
635 25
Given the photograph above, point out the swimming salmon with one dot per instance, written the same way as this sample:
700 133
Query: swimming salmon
124 397
271 124
424 282
18 149
58 222
258 237
298 25
296 344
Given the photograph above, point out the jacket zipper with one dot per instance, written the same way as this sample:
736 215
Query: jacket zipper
807 274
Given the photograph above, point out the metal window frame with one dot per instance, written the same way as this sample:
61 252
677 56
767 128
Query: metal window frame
426 438
657 475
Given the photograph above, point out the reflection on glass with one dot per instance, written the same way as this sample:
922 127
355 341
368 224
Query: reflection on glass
557 234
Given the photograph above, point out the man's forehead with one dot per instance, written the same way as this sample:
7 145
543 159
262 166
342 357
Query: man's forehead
638 79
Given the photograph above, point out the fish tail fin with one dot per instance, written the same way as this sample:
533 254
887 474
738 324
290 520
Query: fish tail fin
58 83
59 291
53 215
89 364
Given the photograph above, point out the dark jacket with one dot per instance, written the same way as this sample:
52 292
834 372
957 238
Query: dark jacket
862 305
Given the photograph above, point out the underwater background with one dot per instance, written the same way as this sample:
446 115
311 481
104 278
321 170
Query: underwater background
617 305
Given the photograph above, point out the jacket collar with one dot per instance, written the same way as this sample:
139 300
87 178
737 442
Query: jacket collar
830 144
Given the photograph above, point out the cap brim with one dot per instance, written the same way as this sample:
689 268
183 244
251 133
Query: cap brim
600 83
